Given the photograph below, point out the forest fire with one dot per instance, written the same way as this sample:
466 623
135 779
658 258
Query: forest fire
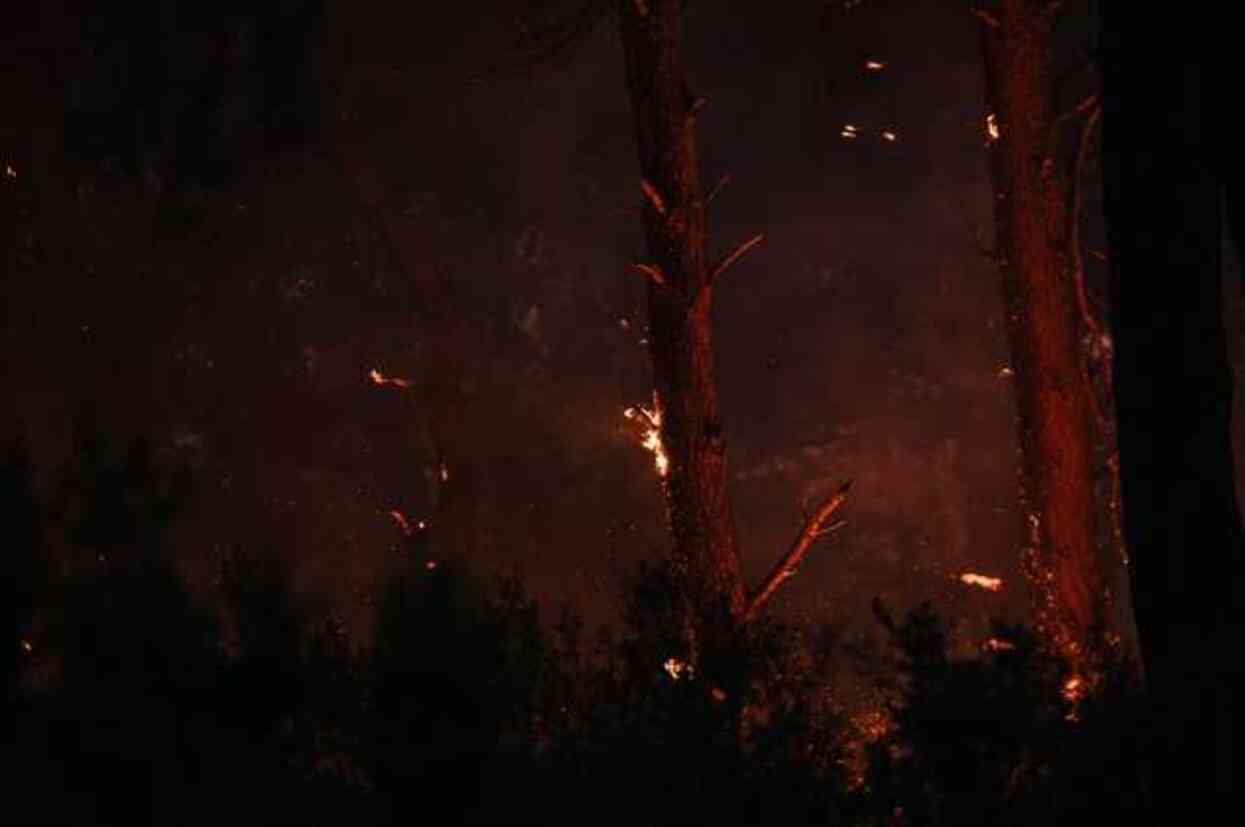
981 581
288 279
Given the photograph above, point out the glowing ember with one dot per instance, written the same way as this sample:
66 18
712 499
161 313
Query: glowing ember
27 646
9 171
430 565
676 668
379 378
445 472
994 644
889 135
650 420
981 581
408 528
849 132
992 127
875 65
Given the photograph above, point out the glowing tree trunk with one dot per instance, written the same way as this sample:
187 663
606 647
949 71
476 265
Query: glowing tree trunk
680 283
1068 570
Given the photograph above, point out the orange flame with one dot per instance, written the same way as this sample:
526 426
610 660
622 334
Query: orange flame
981 581
676 668
650 420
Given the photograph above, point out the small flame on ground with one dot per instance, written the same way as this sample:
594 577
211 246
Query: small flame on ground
430 565
379 378
981 581
444 472
889 135
992 128
994 644
875 65
849 132
27 646
9 171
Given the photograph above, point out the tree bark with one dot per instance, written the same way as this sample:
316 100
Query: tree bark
705 553
1066 565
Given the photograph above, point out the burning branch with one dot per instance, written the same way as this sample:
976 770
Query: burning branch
815 527
734 256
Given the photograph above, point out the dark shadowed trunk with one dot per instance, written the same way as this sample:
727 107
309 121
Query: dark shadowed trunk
679 277
1068 569
1173 383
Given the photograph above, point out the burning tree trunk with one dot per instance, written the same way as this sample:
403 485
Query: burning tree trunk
680 284
680 289
1035 221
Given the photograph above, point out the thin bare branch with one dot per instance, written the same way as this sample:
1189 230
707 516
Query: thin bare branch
1091 321
717 188
987 18
813 529
734 256
1088 105
653 196
652 271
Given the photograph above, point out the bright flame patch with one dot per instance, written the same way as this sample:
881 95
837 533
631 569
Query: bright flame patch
981 581
650 421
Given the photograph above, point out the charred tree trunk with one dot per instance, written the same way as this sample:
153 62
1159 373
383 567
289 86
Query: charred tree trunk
1173 383
1067 567
696 483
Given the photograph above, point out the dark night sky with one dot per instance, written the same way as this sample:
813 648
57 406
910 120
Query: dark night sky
232 310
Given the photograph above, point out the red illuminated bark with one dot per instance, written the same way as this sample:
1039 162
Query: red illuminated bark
706 553
1069 571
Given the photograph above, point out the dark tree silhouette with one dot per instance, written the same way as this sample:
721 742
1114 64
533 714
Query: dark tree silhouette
1166 157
